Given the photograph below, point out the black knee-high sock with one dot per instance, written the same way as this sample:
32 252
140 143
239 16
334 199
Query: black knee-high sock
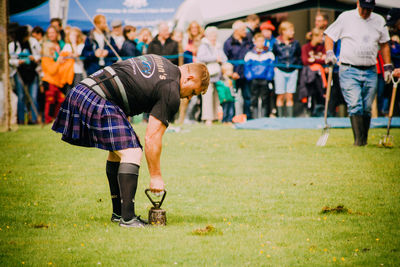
112 175
128 177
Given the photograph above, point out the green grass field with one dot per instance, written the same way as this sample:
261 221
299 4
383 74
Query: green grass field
262 191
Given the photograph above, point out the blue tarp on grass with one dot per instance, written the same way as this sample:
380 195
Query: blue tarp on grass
309 123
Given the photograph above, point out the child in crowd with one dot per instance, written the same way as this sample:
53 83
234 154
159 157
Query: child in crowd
74 45
177 36
287 53
313 77
266 29
259 69
144 40
57 71
226 93
313 52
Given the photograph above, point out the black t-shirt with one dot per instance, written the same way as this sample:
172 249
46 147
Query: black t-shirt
152 85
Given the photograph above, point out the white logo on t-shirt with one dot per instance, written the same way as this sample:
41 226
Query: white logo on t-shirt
146 66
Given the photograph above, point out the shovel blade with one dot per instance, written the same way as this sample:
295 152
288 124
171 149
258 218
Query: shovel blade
323 138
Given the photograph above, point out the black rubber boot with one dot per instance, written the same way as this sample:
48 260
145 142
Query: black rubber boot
289 111
280 111
357 125
366 123
254 112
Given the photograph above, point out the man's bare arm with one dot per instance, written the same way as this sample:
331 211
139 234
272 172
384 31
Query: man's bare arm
328 43
385 51
330 55
387 67
153 146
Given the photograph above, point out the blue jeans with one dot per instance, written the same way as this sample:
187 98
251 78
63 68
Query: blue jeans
359 88
228 111
33 88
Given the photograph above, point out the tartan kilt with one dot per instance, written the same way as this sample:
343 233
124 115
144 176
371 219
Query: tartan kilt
88 120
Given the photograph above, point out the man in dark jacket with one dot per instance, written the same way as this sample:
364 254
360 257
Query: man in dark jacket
96 52
253 24
163 45
129 47
235 48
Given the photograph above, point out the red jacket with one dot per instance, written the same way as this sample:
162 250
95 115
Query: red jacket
379 63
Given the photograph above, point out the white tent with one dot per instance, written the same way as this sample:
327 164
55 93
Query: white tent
59 9
211 11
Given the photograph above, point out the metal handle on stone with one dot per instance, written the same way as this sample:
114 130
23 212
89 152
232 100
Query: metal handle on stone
156 204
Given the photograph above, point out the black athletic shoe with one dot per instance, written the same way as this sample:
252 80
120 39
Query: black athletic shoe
136 222
115 218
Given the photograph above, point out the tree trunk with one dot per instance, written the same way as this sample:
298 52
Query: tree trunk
5 119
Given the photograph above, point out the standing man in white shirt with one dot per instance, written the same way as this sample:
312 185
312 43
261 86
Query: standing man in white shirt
362 34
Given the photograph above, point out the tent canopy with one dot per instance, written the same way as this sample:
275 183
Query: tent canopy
17 6
140 13
211 12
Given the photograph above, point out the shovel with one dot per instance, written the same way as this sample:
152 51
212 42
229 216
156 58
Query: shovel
387 140
325 132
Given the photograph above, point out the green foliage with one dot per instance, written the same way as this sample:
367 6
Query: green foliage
261 194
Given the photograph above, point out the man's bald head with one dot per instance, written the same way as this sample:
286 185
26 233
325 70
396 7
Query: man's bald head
239 29
163 31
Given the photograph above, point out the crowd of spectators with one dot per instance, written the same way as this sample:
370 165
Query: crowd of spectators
253 72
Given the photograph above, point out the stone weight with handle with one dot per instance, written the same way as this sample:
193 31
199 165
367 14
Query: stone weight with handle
157 216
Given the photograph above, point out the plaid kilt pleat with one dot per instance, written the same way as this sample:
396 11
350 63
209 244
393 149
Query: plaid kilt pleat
86 119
